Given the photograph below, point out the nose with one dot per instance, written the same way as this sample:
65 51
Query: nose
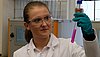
44 23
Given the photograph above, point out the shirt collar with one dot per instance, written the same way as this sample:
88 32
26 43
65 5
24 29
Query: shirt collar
52 43
31 45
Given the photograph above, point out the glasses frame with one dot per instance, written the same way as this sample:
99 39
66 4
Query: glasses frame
39 20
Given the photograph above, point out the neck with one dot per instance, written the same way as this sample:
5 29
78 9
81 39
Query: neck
40 43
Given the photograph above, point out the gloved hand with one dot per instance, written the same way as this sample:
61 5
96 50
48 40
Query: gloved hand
84 22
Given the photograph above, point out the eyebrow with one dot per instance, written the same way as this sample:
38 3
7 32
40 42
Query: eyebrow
40 16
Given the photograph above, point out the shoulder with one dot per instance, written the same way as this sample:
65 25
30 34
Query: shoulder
67 43
22 50
63 40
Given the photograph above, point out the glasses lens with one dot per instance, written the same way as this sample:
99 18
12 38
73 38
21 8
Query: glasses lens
40 20
36 20
47 18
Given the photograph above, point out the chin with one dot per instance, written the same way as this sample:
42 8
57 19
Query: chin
45 34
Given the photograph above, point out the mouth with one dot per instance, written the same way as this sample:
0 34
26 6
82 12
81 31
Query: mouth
44 29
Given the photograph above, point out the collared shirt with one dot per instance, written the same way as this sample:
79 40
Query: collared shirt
51 44
44 51
57 47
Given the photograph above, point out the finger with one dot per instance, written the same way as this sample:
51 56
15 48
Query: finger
75 19
78 14
80 24
78 18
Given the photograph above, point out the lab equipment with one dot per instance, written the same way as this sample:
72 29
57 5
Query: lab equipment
84 22
74 33
78 9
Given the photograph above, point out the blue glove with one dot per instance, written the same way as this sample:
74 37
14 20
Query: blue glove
84 22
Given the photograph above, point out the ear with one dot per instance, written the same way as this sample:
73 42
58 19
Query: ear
26 26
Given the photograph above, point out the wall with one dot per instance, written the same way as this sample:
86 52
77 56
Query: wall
71 9
96 26
1 18
8 11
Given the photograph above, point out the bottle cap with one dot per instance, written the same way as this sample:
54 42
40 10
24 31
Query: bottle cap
79 1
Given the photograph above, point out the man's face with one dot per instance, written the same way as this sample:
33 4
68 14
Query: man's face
40 22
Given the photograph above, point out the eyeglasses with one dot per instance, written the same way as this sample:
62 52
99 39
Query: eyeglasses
39 20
